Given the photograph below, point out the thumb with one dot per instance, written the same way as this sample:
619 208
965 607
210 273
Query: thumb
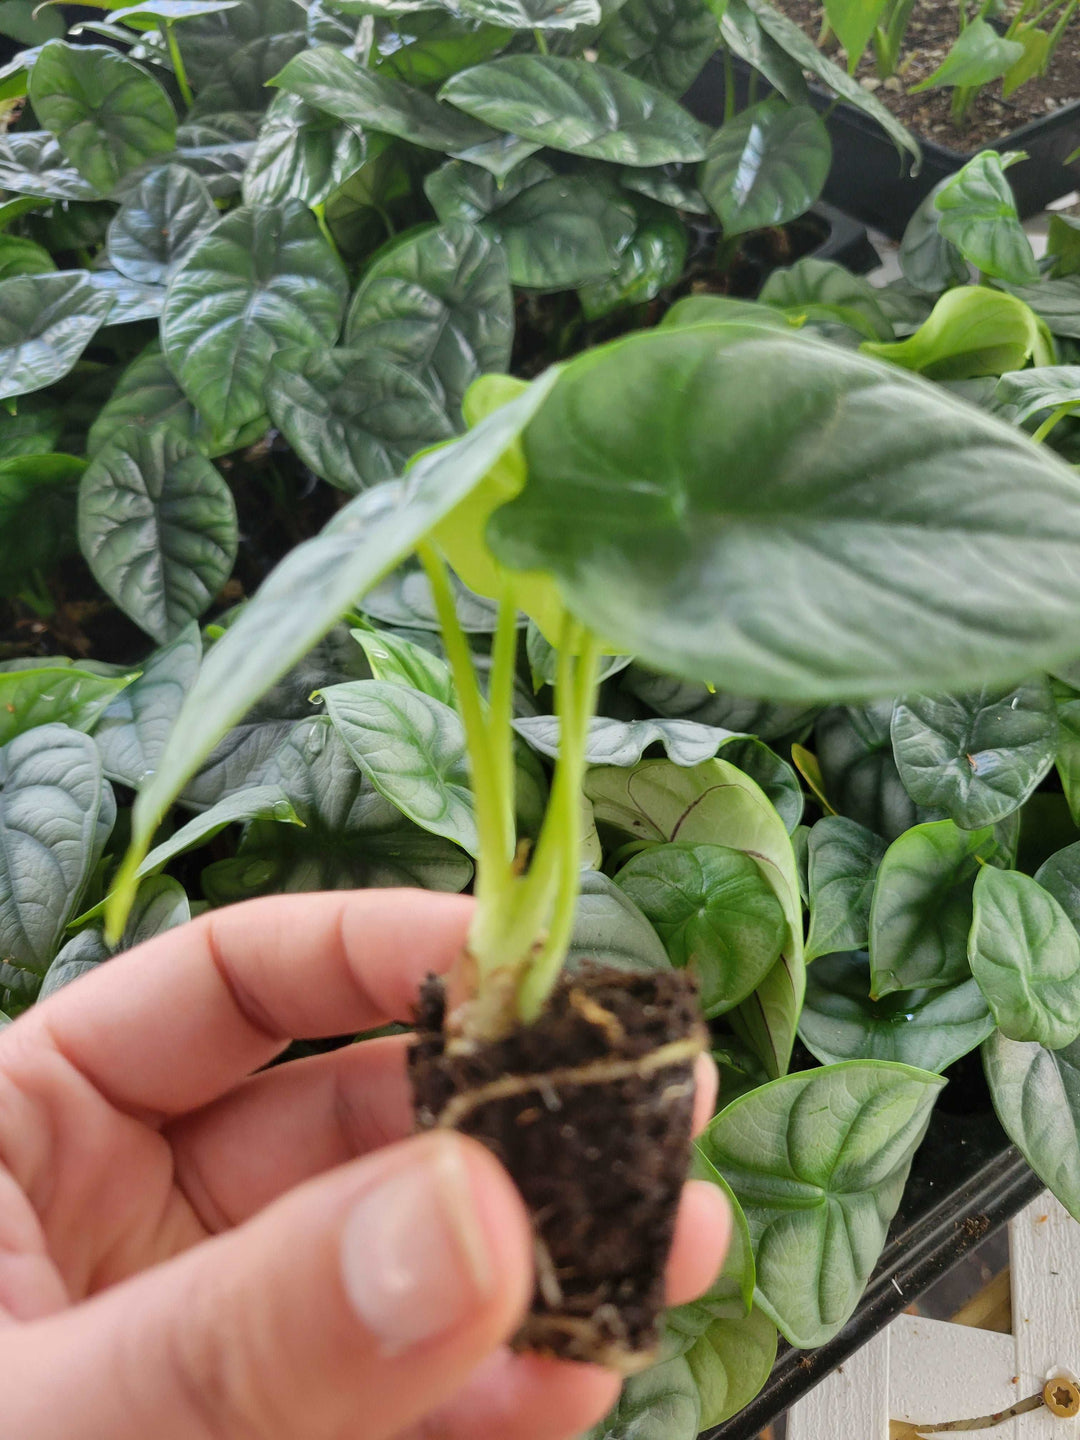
354 1306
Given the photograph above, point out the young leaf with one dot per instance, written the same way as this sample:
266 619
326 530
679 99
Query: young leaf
766 166
1025 955
107 113
393 658
971 331
743 34
412 749
348 836
46 322
929 1029
1036 1094
716 913
853 22
50 797
609 929
715 803
352 416
921 912
133 731
977 756
978 56
818 1162
54 694
439 303
146 395
157 524
300 155
578 106
843 859
742 510
977 213
158 223
1037 51
303 598
263 279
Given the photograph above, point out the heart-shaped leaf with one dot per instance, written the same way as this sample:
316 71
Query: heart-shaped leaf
161 904
1030 392
349 836
148 14
305 596
922 907
535 14
978 56
766 166
580 107
157 525
352 416
977 213
843 859
158 223
715 448
147 395
1025 954
558 231
23 257
440 304
46 322
655 258
716 913
977 756
663 42
240 80
263 279
394 658
412 749
929 1029
300 155
54 694
133 731
659 1404
818 1162
1057 302
1036 1094
50 797
928 260
853 22
609 929
859 774
107 113
714 804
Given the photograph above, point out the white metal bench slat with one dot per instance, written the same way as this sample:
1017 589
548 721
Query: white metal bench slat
929 1370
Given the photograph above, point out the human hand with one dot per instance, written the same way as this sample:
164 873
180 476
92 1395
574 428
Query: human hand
193 1251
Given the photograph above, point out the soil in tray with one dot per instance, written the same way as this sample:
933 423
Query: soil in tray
930 36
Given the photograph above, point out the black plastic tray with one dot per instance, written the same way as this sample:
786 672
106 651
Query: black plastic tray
967 1180
867 178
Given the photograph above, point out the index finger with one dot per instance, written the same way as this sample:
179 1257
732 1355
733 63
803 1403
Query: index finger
175 1023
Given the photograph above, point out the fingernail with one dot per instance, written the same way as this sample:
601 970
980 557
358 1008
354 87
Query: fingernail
414 1258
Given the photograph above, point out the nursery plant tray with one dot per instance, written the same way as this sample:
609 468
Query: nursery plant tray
966 1181
866 179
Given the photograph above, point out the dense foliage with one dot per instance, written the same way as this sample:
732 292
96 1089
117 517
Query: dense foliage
837 603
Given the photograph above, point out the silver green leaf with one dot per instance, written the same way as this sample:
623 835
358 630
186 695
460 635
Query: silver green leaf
300 155
1036 1094
133 731
107 113
929 1029
1025 954
263 279
54 694
46 322
767 166
818 1162
843 858
158 224
157 524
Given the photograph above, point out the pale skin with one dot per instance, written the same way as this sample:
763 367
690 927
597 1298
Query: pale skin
191 1250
